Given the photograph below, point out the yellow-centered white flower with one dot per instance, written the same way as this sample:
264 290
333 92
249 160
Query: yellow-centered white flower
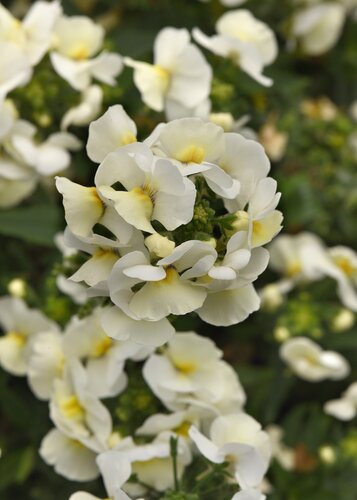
21 325
153 189
77 412
310 362
179 73
33 34
77 40
248 42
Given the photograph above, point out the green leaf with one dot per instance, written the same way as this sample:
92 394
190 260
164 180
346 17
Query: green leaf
36 224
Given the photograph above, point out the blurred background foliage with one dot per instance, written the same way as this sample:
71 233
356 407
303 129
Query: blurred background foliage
317 175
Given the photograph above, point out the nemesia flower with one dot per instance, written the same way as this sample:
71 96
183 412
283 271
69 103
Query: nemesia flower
245 161
69 457
50 157
33 34
75 410
190 373
87 110
239 440
105 358
344 408
77 40
154 189
179 73
21 325
250 43
231 296
310 362
152 462
261 220
318 27
168 286
195 146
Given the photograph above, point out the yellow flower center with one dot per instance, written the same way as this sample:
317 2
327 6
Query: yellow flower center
191 154
293 269
71 408
346 266
18 338
79 53
126 139
102 347
164 75
182 430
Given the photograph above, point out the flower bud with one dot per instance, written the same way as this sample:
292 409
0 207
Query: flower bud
17 288
158 245
344 320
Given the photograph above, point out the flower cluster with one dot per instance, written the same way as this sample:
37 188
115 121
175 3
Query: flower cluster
75 369
148 224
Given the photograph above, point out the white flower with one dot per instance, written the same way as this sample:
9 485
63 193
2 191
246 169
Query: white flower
87 110
15 70
231 296
298 257
250 43
178 422
69 457
154 189
152 462
168 288
77 41
239 440
111 131
344 408
50 157
246 161
196 146
261 220
105 358
179 73
46 363
33 35
21 326
77 412
190 372
310 362
318 27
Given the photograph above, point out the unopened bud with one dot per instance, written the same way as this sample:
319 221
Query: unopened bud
17 288
344 320
158 245
281 333
327 455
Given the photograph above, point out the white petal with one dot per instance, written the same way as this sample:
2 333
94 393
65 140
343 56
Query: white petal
229 307
70 459
111 131
83 207
152 333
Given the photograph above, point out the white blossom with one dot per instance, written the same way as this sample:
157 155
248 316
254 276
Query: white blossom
310 362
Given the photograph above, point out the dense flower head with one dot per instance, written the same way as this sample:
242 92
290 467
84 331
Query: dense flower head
174 224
